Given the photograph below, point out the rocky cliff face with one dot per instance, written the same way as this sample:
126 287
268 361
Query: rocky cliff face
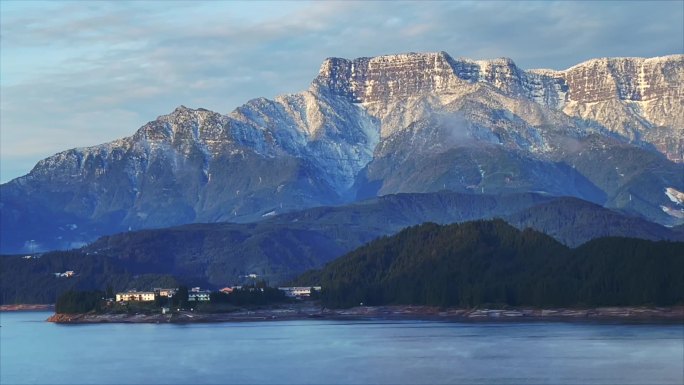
639 99
386 79
609 130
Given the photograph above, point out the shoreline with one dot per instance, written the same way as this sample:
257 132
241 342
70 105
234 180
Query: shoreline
27 307
673 314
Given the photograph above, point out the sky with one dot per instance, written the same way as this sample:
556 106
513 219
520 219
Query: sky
81 73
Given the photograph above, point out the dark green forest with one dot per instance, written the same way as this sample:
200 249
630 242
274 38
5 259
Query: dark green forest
475 263
250 296
34 281
278 249
487 263
85 301
73 302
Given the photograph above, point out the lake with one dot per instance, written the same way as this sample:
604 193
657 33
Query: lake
338 352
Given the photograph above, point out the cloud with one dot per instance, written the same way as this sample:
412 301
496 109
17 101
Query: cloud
98 70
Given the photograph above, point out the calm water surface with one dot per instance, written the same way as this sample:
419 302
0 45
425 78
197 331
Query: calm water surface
331 352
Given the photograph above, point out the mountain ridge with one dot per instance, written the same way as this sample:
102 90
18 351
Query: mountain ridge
490 263
341 138
280 247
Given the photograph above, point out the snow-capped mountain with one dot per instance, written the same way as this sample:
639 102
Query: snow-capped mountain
608 130
636 98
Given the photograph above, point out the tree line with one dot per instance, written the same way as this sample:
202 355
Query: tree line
486 263
85 301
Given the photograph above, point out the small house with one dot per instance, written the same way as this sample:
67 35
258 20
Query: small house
199 296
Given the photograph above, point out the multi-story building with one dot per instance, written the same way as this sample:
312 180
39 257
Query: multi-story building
137 296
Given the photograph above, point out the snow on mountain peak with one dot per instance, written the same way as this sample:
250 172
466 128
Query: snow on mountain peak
639 99
359 118
675 195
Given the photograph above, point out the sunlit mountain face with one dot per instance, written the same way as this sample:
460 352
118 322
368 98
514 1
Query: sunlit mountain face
607 131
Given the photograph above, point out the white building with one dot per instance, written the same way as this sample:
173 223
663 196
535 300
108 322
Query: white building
299 291
199 296
138 296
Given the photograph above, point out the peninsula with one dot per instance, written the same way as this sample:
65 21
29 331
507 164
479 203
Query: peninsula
314 310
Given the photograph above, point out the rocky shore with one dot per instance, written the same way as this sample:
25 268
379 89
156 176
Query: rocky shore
313 311
27 307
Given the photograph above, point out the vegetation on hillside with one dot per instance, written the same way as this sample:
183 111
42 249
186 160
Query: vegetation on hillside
73 301
280 248
492 263
257 295
33 280
573 221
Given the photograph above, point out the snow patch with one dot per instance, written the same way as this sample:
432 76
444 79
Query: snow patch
673 212
675 196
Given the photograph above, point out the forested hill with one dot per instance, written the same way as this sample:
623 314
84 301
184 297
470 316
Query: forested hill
492 263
